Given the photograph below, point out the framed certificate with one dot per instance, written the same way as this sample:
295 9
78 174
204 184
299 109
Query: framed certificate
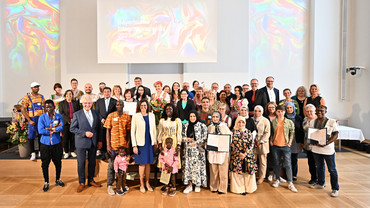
218 142
317 136
129 107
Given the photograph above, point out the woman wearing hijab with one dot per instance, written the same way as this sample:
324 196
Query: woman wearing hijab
298 136
242 163
194 135
262 141
218 161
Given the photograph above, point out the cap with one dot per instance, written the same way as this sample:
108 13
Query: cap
34 84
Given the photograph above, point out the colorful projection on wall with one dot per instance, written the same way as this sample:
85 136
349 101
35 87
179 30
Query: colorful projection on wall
146 31
277 33
32 33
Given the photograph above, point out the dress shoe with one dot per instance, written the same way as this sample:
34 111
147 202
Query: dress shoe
80 187
93 183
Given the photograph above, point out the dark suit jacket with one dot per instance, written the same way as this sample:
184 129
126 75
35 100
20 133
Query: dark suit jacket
184 113
64 110
100 107
276 91
260 99
80 125
146 90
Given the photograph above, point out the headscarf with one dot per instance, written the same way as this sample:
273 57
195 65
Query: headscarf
291 116
255 118
217 125
240 118
190 131
246 107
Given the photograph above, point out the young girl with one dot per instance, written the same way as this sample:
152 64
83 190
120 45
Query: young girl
170 164
120 167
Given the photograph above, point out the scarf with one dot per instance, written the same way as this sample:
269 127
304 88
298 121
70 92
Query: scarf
190 131
290 116
255 118
217 125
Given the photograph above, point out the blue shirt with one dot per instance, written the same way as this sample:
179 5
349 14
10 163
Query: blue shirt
44 122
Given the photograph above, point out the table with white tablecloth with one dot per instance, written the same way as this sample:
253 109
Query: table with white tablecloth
349 133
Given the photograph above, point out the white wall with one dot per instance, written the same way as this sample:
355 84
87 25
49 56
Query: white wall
79 48
359 55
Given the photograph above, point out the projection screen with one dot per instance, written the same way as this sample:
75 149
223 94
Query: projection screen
160 31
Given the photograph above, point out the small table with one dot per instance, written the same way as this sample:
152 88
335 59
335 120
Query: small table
349 133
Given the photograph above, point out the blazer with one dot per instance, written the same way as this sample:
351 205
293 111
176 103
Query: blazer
138 129
100 107
263 136
80 125
184 113
64 110
146 91
260 99
276 91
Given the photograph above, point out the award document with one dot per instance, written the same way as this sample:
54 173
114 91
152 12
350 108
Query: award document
317 136
218 142
129 107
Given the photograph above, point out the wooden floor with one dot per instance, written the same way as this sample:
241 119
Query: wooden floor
21 186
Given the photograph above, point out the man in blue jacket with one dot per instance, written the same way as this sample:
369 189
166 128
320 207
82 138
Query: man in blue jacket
50 125
86 125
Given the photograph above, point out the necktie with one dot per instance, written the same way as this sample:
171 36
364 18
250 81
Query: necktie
254 96
88 116
106 104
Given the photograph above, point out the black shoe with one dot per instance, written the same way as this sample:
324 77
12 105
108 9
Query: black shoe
124 190
59 182
245 193
163 188
46 187
221 193
214 191
312 181
294 178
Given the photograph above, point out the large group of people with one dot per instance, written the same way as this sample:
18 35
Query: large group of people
266 134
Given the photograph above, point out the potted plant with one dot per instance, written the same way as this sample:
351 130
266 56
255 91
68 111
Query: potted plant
18 132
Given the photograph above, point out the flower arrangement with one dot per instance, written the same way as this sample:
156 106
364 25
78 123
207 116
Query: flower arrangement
158 106
18 128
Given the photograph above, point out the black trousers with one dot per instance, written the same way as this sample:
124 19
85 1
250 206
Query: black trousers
68 139
54 153
103 136
81 160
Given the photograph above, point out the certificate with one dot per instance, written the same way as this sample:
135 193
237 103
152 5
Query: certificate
317 136
129 107
218 142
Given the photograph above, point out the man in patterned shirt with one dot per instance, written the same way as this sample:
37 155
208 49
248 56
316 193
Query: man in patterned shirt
118 126
33 107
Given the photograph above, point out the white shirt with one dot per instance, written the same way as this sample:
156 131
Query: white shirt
89 116
329 149
271 94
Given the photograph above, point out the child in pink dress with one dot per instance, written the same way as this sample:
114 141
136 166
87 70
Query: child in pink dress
120 167
170 164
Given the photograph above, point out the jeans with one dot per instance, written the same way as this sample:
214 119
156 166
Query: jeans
311 165
284 153
111 174
320 169
294 158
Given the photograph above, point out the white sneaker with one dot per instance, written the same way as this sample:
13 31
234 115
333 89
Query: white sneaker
197 189
188 189
334 193
317 186
282 180
73 154
98 153
33 156
66 155
270 177
111 191
292 187
276 184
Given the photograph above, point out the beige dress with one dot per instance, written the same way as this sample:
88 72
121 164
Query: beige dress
173 129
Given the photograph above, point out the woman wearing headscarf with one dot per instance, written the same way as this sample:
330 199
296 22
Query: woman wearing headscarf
298 136
242 161
218 161
262 141
194 135
249 123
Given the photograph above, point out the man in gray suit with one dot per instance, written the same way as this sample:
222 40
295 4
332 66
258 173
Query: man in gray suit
86 125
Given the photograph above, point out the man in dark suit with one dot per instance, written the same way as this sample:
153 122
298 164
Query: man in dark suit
138 81
272 94
255 97
105 106
86 125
